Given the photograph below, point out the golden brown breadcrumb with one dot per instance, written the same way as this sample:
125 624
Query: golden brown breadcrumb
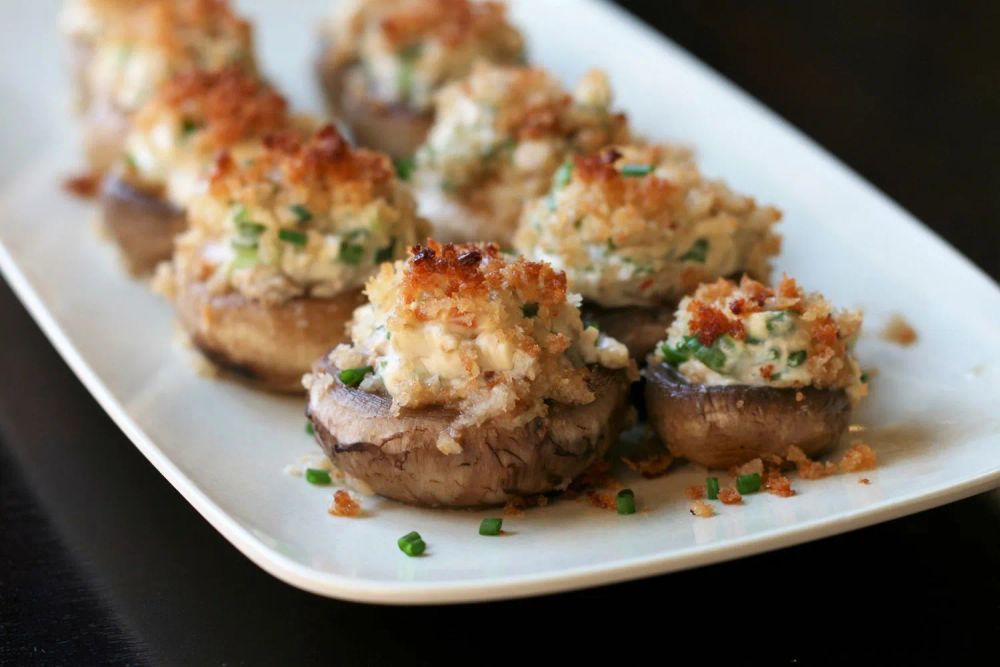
344 505
860 456
899 331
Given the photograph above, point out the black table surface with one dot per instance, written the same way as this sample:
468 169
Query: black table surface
101 561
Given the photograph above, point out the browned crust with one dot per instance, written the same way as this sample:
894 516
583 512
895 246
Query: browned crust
639 328
724 426
395 130
397 456
271 346
142 224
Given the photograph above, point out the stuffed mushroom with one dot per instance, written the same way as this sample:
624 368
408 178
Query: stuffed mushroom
747 371
636 228
279 247
173 141
384 60
469 380
123 52
499 136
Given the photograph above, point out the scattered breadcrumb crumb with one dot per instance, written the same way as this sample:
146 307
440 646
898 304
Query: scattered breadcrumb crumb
702 509
750 467
604 501
856 428
85 185
865 481
859 457
730 496
898 330
695 492
516 506
651 467
344 505
777 484
807 468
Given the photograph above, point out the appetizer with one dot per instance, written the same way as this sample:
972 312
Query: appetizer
747 371
499 136
123 51
279 247
637 228
384 60
469 380
173 141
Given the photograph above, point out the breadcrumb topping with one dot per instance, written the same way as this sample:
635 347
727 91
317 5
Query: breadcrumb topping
465 326
640 225
406 50
306 216
747 333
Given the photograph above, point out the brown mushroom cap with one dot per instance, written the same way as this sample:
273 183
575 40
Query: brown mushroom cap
270 345
727 425
142 224
397 455
392 129
639 328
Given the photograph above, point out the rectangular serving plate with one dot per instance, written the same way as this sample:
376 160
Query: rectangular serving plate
933 416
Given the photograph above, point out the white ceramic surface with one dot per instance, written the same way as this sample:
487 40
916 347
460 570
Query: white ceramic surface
934 417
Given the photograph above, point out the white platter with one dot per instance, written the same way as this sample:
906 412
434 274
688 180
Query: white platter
934 417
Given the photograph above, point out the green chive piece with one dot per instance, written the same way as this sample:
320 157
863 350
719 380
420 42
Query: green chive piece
529 309
244 255
188 127
404 79
310 429
242 215
776 322
385 254
589 323
490 526
562 176
404 167
697 252
317 476
351 253
411 52
250 229
795 359
130 161
302 214
712 488
748 483
675 356
625 501
864 378
750 340
352 377
711 356
293 237
412 544
636 169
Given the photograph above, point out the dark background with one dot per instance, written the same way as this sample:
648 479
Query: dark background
101 561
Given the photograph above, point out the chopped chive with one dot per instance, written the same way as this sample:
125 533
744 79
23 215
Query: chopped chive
589 323
750 340
244 255
490 526
385 254
250 229
562 176
130 161
711 356
352 377
411 52
675 356
748 483
351 253
404 78
310 429
625 501
188 127
242 215
293 237
775 376
864 378
795 359
697 252
412 544
529 309
302 214
712 488
317 476
612 245
404 167
773 321
773 354
636 169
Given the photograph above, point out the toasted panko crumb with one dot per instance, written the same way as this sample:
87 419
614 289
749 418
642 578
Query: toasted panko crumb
777 484
859 457
604 501
807 468
516 506
344 505
750 467
730 496
696 492
702 509
898 330
865 481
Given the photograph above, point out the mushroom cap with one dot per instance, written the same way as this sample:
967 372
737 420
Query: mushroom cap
639 328
269 345
398 457
720 426
142 224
